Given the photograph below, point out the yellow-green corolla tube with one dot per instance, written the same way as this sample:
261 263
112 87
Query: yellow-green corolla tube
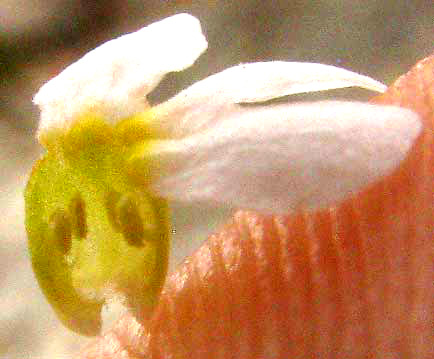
93 233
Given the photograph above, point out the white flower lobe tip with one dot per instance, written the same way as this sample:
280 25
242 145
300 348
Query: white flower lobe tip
204 103
114 78
288 157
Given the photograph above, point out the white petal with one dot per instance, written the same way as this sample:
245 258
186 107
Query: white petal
115 77
204 103
284 158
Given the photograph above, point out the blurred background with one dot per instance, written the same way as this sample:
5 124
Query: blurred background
38 38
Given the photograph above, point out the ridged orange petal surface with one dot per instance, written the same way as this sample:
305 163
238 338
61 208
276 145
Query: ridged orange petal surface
355 281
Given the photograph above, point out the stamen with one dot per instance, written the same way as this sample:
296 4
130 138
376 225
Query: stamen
60 228
77 211
130 221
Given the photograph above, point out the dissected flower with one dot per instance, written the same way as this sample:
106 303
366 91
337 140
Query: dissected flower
96 211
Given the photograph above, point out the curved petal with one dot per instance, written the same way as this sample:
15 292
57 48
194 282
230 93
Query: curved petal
285 158
115 77
204 103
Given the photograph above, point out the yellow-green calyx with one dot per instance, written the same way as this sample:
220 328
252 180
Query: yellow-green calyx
94 232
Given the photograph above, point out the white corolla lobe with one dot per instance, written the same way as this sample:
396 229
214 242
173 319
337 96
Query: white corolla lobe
115 78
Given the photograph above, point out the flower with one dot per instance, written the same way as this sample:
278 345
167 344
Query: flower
96 211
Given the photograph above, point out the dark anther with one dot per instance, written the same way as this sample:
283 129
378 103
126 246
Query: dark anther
130 221
77 210
60 227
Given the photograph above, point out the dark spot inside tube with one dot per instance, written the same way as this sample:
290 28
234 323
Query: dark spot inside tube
60 227
130 220
77 211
